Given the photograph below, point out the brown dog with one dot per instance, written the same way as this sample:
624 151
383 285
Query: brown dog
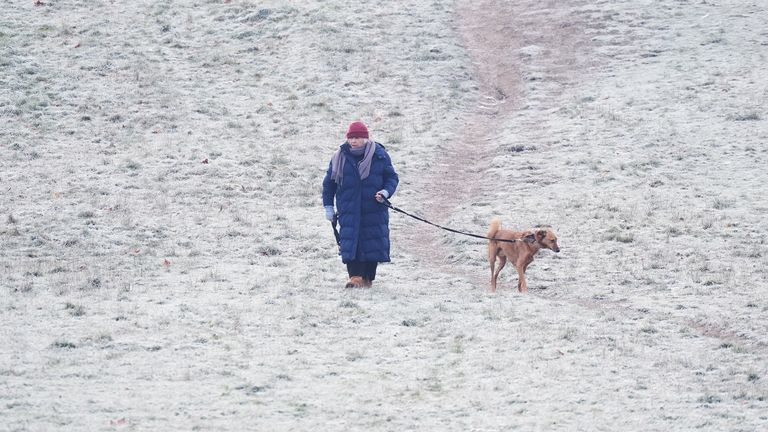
520 252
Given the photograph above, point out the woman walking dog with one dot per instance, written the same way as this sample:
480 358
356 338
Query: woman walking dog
359 178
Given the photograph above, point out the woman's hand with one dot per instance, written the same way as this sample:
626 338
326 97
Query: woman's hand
329 213
382 195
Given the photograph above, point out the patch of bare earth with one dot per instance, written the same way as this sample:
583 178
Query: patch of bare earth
512 44
494 33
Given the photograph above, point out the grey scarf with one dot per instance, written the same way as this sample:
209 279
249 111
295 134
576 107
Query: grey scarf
364 166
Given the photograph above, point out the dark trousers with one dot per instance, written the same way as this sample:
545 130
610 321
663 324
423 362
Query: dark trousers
366 269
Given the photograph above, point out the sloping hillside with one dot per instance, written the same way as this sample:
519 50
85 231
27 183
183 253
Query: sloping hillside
166 264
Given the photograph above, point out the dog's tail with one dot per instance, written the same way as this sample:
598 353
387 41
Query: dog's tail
495 227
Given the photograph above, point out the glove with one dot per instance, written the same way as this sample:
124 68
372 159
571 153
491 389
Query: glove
329 213
382 195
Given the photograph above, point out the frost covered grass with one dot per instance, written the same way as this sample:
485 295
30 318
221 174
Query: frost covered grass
165 264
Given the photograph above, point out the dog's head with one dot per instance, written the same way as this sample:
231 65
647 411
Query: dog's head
547 239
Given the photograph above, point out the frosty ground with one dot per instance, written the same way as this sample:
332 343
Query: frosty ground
166 264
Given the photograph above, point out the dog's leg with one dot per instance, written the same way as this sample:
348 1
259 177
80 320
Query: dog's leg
524 266
495 275
492 262
522 286
493 249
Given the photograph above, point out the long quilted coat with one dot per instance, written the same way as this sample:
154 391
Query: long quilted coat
364 222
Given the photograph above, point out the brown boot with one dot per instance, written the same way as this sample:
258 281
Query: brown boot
354 282
367 283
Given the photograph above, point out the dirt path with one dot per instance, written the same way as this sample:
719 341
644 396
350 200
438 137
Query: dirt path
511 43
495 35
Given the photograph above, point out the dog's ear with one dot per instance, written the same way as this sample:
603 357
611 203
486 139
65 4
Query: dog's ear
541 235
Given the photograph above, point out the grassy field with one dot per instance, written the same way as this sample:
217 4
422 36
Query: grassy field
165 263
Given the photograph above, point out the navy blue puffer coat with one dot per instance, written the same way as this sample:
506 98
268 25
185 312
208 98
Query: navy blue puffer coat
364 222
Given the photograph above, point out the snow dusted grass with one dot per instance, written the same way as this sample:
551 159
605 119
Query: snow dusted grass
164 264
114 117
655 187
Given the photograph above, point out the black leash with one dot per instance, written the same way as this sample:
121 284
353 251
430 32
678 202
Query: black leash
528 239
334 222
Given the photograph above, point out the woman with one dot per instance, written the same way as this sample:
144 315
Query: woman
360 177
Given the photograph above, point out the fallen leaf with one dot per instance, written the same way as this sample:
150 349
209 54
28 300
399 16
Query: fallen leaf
205 161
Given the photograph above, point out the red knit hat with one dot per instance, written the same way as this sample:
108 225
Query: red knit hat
357 130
